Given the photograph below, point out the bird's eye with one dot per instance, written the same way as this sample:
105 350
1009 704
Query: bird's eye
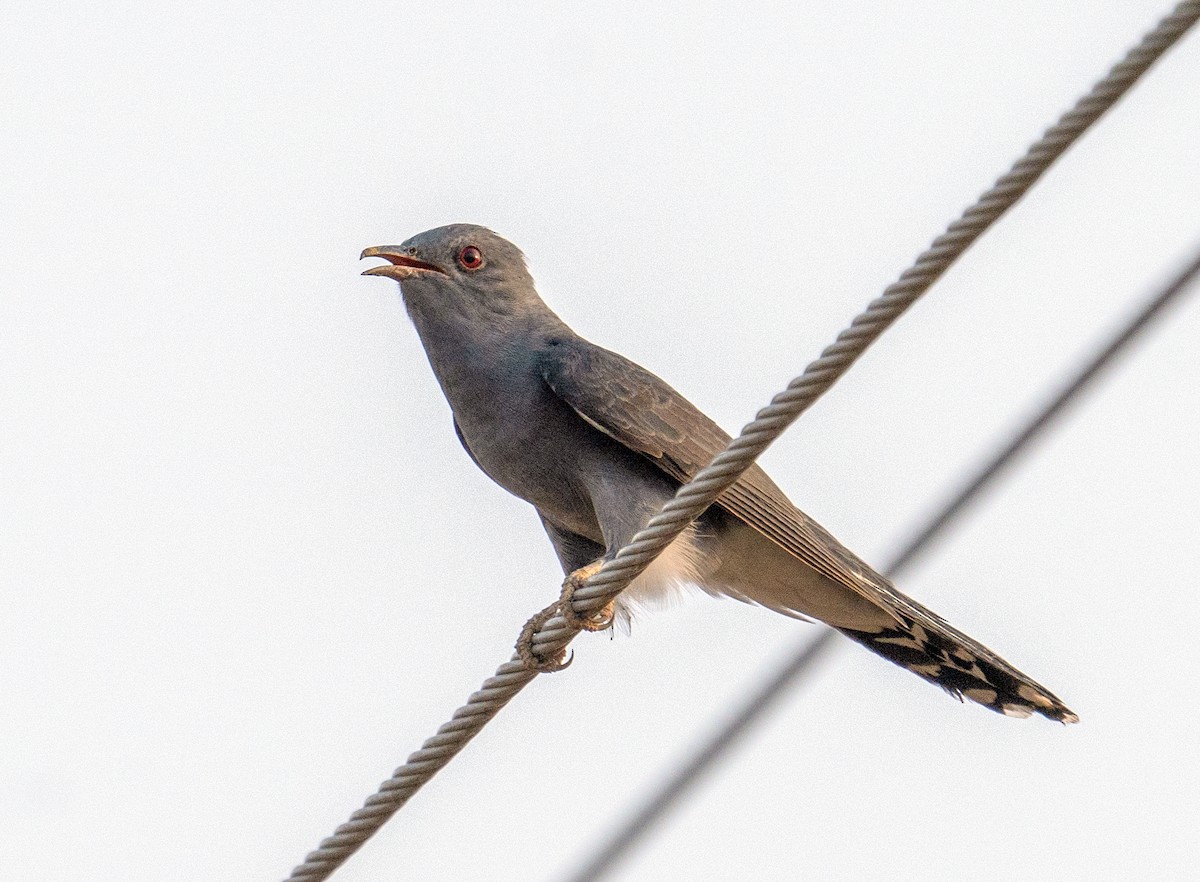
470 258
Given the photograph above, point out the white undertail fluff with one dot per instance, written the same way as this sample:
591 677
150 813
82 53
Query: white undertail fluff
683 565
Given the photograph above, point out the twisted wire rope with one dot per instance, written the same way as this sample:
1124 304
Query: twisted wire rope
642 820
552 636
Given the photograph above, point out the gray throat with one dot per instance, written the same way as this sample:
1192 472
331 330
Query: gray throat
479 359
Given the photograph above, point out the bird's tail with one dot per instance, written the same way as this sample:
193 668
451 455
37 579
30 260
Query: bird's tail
935 651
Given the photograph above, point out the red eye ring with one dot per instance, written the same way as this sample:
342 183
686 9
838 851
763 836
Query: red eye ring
470 258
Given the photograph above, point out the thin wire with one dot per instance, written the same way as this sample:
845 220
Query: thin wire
634 829
552 637
1036 426
770 422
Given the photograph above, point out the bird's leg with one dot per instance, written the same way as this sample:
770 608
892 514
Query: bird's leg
597 621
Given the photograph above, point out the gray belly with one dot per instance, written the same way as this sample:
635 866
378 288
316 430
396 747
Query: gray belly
533 444
541 452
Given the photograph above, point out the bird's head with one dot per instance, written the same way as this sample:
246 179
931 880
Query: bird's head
462 267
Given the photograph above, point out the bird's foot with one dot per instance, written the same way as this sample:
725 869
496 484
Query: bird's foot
601 619
530 657
533 659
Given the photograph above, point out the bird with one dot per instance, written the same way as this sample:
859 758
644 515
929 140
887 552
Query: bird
598 444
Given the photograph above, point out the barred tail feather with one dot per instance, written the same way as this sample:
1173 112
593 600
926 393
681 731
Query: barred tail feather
962 667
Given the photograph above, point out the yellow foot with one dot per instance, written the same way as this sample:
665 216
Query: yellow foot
597 621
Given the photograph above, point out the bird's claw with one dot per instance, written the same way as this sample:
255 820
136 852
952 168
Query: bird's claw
534 661
549 665
597 621
601 619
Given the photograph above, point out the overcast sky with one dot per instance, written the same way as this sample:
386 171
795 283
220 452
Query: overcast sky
245 567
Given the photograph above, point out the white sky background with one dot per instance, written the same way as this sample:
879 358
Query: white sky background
245 567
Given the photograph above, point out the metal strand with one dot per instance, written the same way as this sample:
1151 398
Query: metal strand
641 821
694 497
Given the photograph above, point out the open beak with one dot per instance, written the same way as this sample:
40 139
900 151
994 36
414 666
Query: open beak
400 265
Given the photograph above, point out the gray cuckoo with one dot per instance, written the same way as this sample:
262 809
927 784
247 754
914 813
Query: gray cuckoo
598 444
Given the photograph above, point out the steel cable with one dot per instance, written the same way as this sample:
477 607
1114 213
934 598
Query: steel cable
552 637
639 822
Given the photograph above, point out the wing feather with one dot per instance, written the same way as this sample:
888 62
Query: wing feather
638 409
642 412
